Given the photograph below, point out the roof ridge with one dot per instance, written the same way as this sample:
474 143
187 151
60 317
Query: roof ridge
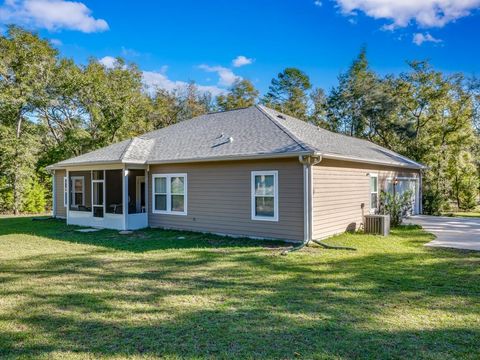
127 148
367 141
303 144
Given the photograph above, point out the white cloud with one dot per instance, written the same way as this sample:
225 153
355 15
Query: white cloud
129 52
56 42
226 75
108 61
419 38
154 80
318 3
425 13
241 61
51 15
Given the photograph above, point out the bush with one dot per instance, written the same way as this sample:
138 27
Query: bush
397 206
6 196
34 201
468 198
433 202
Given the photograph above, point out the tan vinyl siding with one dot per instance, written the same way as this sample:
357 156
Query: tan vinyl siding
219 199
60 209
339 189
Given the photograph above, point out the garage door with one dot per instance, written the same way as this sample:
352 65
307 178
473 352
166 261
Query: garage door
404 185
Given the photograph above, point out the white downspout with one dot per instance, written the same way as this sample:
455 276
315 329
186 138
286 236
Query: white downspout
308 163
54 196
306 203
310 200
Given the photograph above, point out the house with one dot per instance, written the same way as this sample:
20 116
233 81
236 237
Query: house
249 172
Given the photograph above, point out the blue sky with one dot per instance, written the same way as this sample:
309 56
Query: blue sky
178 41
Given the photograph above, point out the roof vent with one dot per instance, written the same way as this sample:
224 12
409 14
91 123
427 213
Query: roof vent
226 141
281 116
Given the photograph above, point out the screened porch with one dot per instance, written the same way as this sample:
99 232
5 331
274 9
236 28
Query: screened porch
107 198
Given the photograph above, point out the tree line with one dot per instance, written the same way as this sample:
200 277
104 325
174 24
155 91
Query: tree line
52 108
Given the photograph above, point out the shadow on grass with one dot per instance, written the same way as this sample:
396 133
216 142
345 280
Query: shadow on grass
139 241
291 310
240 303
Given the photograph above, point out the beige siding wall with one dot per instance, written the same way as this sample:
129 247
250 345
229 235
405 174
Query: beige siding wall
219 199
339 189
60 209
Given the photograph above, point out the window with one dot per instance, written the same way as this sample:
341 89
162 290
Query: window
264 193
65 191
169 194
78 191
373 191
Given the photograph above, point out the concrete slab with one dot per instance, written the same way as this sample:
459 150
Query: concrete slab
451 232
88 230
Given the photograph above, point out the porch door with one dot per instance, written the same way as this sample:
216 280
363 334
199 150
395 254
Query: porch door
98 193
140 194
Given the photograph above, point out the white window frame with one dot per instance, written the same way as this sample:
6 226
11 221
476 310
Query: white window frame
65 191
373 208
275 196
169 194
73 178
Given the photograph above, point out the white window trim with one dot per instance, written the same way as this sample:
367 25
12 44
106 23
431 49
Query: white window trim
82 178
373 208
65 191
275 198
169 194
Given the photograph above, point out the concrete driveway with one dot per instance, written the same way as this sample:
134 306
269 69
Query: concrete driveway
451 232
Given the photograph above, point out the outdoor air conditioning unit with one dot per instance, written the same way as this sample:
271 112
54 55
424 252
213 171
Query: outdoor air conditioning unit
377 224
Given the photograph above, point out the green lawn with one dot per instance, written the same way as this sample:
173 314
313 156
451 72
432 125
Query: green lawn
464 214
68 295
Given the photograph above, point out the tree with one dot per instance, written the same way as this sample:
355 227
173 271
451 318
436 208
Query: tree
288 93
193 102
435 128
241 95
113 99
353 102
26 68
165 109
318 115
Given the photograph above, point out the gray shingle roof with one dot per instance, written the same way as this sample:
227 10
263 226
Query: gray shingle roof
255 131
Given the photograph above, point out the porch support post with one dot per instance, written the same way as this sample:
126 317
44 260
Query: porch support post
125 197
68 194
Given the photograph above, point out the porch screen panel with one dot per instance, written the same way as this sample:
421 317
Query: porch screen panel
113 192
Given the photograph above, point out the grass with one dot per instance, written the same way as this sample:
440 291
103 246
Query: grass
70 295
474 214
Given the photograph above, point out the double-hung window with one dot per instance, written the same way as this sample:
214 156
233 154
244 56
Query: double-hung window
78 191
264 192
373 192
169 194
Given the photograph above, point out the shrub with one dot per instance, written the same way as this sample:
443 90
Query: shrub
34 201
397 206
433 202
